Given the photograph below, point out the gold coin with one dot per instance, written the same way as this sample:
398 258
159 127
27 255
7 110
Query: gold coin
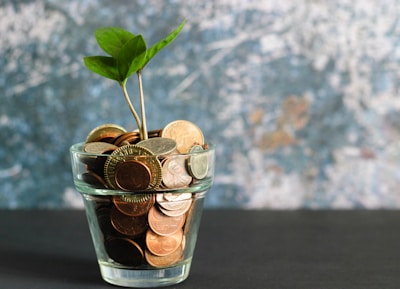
164 225
160 146
129 153
105 132
185 133
174 174
197 162
163 245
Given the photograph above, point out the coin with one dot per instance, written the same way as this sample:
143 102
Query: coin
134 205
197 162
185 133
132 152
99 148
164 261
124 251
129 137
174 196
164 225
105 132
131 175
163 245
174 174
159 145
175 208
128 225
94 180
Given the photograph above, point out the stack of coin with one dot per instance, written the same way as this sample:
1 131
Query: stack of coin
145 223
145 229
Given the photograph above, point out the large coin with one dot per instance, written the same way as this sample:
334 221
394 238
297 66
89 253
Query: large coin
128 225
134 205
164 225
105 133
124 251
132 152
174 174
159 145
163 245
185 133
198 162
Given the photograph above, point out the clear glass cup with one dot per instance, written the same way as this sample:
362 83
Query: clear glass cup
143 237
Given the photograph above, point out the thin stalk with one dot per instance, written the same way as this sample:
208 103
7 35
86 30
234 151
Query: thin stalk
142 110
135 115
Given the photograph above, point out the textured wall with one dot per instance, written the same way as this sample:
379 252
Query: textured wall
301 97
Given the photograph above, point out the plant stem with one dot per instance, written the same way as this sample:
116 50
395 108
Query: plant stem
135 115
142 110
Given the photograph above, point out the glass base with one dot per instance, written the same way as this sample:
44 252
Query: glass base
145 278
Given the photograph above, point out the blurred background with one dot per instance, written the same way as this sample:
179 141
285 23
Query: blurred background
301 97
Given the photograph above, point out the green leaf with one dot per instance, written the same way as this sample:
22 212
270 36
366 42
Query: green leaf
103 65
131 56
112 39
163 43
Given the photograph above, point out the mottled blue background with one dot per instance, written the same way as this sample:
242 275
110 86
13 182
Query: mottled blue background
301 97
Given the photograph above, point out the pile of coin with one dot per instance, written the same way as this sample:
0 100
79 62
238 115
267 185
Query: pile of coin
145 229
169 158
148 227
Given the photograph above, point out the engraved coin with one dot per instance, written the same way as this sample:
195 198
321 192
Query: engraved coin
134 205
163 245
198 162
164 225
174 196
175 208
124 251
132 175
174 174
132 152
164 261
128 225
105 132
159 145
185 133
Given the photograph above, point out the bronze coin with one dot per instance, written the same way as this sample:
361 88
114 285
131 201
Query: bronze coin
132 175
105 132
164 261
163 245
128 225
174 174
94 180
164 225
124 251
185 133
134 205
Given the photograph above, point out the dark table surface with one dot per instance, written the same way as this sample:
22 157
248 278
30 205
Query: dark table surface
235 249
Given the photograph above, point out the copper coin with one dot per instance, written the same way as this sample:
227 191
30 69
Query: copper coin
128 225
164 225
105 132
164 261
124 251
185 133
132 175
132 152
94 180
174 174
163 245
134 205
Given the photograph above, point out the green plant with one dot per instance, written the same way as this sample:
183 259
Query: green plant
128 54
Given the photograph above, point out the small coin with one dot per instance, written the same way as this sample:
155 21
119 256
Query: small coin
134 205
185 133
175 208
132 175
174 174
99 148
197 162
128 225
164 261
105 132
175 196
129 137
163 245
164 225
94 180
160 146
132 152
124 251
